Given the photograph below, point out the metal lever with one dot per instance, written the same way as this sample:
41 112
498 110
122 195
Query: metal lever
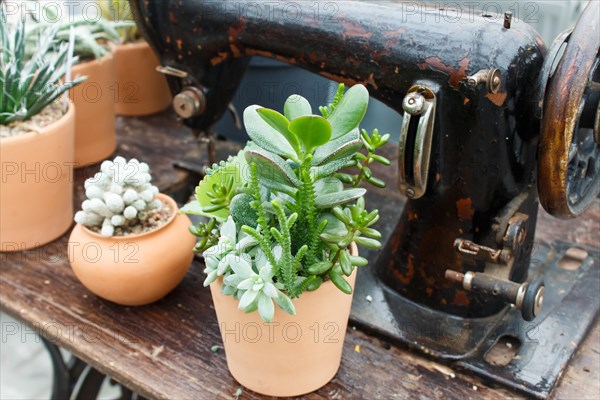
527 297
415 140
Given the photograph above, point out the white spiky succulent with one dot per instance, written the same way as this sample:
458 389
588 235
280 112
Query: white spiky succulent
120 194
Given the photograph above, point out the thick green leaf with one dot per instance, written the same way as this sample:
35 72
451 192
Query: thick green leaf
193 207
350 111
340 282
285 304
328 185
342 147
312 130
271 167
334 199
296 106
346 263
325 170
265 136
281 124
319 268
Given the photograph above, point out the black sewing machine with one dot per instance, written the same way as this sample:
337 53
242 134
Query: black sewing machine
492 119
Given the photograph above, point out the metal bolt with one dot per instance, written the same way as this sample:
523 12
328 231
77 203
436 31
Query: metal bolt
414 103
410 193
507 19
538 302
521 235
491 77
190 102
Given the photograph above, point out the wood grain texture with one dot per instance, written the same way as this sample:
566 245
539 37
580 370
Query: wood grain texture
163 350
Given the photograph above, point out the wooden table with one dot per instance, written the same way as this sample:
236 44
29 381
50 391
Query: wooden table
164 350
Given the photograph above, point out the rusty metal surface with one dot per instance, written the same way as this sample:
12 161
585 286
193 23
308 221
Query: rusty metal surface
571 306
560 194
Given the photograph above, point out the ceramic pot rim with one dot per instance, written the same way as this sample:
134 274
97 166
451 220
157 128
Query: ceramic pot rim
161 196
139 44
52 126
100 61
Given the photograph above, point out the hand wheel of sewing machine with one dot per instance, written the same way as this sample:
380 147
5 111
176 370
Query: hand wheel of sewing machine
569 158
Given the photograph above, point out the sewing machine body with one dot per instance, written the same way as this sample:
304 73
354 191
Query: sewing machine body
468 166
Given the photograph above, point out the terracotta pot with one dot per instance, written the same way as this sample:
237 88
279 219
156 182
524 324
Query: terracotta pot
37 185
133 270
293 355
141 89
95 125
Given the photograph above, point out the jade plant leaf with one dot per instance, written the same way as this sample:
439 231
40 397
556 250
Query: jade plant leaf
324 170
313 131
265 136
350 111
272 167
342 147
281 124
337 198
328 185
296 106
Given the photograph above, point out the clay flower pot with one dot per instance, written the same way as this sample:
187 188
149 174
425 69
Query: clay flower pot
141 89
95 126
137 269
37 185
293 355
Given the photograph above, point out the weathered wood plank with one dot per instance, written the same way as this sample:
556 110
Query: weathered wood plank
163 350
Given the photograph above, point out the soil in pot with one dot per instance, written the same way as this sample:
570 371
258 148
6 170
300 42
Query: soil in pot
37 178
134 269
95 125
293 355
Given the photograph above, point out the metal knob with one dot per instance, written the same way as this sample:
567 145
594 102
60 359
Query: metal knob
190 102
527 297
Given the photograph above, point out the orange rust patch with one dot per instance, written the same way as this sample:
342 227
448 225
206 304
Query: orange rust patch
464 207
235 51
179 44
438 177
412 216
341 79
497 98
410 271
429 291
460 298
456 74
220 58
355 30
234 32
168 39
466 100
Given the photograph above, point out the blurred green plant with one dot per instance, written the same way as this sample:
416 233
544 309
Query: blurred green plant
119 11
30 84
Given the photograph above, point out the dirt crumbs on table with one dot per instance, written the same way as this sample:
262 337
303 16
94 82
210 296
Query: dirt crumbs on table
48 115
155 219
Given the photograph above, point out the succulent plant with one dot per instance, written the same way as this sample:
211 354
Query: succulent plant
281 220
91 35
121 194
28 85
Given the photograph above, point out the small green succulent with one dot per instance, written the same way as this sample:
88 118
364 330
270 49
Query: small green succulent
284 202
30 84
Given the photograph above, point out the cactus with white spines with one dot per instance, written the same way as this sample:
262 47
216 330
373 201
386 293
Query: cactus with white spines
121 194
